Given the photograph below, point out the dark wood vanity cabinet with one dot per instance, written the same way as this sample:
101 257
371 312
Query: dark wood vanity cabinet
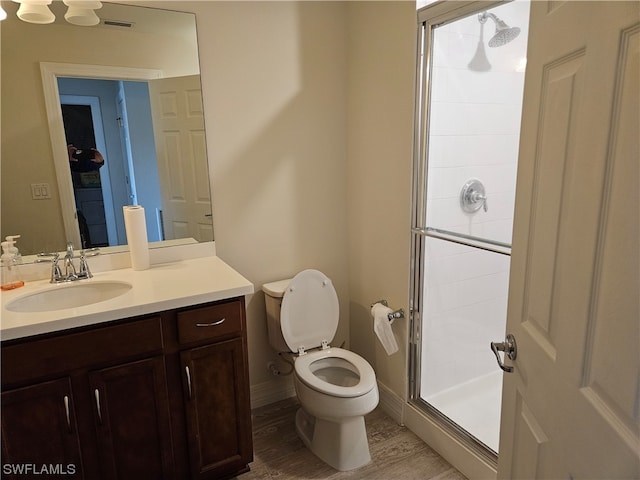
133 427
39 426
218 410
165 396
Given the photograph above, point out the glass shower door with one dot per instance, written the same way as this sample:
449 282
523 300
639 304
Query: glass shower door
471 82
465 300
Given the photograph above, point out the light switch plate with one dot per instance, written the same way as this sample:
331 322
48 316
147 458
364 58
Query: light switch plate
40 191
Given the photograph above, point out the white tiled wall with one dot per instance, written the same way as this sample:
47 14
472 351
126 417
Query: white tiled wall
474 133
465 302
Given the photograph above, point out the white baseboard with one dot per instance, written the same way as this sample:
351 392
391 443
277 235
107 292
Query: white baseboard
272 391
391 403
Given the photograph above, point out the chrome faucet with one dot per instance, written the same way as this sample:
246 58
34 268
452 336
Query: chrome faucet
69 269
71 274
56 274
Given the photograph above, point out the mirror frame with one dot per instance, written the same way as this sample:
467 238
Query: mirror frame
50 73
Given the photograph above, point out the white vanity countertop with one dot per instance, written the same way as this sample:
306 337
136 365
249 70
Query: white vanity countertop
162 287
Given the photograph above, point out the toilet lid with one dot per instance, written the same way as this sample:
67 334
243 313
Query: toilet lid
310 311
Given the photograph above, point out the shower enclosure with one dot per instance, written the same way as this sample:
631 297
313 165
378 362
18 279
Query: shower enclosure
470 85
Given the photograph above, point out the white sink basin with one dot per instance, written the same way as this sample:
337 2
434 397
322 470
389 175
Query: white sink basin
71 295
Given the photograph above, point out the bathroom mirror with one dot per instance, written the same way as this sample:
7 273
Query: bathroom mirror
133 44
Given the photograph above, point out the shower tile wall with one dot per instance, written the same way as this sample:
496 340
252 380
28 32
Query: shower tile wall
474 133
466 299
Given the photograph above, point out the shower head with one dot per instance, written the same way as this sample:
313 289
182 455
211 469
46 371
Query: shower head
480 62
504 33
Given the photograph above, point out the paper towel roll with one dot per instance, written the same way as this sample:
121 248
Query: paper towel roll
382 327
136 228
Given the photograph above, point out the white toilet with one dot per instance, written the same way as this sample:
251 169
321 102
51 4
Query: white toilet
335 387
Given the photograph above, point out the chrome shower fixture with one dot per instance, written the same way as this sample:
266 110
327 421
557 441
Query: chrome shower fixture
473 196
504 33
480 62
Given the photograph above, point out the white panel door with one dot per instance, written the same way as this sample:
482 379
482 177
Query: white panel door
178 123
571 406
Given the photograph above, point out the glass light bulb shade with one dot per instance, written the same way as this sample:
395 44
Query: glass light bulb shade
33 2
84 17
92 4
35 12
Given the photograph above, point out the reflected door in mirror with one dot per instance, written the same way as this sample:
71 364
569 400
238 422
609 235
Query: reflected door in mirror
178 122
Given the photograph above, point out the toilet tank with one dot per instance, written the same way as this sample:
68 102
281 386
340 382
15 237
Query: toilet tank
273 293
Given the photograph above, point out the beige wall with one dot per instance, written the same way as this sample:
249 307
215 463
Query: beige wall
380 129
275 94
309 106
309 128
309 116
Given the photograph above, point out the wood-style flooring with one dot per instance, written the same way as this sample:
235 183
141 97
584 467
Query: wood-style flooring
396 452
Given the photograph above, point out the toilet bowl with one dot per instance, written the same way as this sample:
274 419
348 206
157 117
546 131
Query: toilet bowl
336 388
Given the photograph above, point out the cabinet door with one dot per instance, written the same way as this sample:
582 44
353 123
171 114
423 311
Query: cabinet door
39 434
217 408
132 420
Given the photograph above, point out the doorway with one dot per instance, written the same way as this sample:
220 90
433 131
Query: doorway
98 113
82 121
471 78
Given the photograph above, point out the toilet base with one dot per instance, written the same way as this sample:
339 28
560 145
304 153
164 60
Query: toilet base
342 445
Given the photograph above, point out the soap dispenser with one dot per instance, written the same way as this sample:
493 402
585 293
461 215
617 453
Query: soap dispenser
13 250
10 275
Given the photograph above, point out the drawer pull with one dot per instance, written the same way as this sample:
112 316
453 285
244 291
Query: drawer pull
66 411
186 369
97 395
212 324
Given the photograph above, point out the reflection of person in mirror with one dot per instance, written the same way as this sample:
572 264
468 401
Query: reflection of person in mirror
84 160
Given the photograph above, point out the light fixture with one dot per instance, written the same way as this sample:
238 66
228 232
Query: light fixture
3 14
82 12
35 11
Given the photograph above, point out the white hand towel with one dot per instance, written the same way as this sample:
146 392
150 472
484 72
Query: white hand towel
382 327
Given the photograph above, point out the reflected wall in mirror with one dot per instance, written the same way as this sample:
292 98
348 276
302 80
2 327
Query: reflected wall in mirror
159 46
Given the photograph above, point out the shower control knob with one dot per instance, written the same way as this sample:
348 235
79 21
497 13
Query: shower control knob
483 199
473 196
477 197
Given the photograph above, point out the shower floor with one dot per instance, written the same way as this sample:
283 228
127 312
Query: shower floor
474 406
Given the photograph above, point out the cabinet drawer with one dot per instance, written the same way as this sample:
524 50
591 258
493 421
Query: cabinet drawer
210 322
69 351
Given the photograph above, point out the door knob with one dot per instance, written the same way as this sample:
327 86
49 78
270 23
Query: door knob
510 349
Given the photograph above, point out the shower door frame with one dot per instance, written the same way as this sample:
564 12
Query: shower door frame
429 18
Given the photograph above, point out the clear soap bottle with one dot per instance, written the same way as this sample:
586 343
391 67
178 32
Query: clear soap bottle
10 274
13 250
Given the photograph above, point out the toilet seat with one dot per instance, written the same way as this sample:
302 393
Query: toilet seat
310 311
367 377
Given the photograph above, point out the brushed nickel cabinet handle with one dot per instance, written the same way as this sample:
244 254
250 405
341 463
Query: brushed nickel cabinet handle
96 392
66 411
186 369
212 324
